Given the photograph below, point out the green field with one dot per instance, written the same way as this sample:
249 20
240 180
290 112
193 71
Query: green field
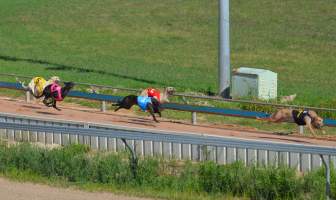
140 43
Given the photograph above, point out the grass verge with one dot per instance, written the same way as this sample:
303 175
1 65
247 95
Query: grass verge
78 166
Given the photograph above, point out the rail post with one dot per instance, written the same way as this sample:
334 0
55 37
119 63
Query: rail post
27 96
103 106
133 158
301 129
194 118
327 171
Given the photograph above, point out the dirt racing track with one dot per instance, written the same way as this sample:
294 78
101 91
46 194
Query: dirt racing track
127 118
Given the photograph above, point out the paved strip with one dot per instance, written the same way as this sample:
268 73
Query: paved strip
10 190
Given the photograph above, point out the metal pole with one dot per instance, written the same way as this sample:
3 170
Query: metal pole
103 106
224 49
133 158
327 171
27 96
193 118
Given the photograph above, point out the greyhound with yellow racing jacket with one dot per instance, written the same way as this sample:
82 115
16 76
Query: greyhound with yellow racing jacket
38 84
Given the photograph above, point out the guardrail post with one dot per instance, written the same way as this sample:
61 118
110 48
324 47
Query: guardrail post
103 106
301 129
327 171
86 125
193 118
133 158
27 96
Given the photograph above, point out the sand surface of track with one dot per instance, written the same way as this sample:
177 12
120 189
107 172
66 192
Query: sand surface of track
129 119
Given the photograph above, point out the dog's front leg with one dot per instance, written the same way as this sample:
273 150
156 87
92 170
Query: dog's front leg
151 111
308 122
54 105
311 129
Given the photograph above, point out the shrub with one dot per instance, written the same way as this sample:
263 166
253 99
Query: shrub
111 169
274 183
147 172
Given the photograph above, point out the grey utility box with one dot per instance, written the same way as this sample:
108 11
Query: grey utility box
252 82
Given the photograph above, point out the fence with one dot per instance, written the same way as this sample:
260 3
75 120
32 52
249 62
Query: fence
192 96
181 145
173 106
186 146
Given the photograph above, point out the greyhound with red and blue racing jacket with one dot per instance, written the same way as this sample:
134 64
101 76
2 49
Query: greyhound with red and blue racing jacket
152 105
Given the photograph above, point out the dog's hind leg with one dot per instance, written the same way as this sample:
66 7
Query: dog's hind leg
115 110
115 104
48 102
275 117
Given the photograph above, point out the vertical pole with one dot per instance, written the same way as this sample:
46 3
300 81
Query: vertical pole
224 49
301 129
327 171
103 106
27 96
133 158
193 118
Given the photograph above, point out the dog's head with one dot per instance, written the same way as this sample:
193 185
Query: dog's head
170 90
55 79
69 85
317 122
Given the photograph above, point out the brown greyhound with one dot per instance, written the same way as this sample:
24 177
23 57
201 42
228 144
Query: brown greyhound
307 118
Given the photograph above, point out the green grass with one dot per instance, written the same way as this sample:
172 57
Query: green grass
157 43
140 43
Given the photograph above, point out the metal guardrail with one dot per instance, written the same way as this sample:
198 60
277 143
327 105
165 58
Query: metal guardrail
78 83
215 98
36 124
206 140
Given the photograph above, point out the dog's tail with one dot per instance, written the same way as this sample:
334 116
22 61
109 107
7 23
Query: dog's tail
262 118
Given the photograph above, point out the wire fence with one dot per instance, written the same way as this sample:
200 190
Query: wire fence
214 98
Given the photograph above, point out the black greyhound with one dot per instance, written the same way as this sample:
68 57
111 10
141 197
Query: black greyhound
145 103
52 95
